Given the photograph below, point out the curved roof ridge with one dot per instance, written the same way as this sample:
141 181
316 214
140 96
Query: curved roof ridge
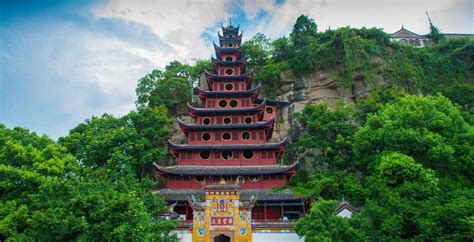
256 88
228 147
236 110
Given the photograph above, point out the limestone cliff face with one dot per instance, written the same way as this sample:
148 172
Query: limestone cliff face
315 87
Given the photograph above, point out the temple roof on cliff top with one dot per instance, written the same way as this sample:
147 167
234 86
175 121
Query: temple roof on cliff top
246 93
258 125
225 170
405 33
217 77
266 146
247 194
217 111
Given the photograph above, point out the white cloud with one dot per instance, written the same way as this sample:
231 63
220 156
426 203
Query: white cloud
179 23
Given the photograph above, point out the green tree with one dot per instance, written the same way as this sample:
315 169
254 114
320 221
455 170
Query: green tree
304 32
330 132
430 129
50 195
257 50
171 88
322 224
126 146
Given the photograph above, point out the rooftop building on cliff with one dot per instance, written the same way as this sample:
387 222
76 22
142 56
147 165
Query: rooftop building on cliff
406 36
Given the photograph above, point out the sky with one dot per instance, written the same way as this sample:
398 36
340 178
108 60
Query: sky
62 62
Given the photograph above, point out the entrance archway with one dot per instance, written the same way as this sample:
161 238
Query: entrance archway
222 238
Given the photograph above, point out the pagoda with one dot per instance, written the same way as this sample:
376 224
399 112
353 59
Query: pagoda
225 178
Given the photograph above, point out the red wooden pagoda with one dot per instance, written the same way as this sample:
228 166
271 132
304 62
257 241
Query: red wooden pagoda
229 140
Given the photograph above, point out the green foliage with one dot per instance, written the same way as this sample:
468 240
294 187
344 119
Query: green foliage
411 172
368 55
430 129
50 195
171 87
322 224
331 132
395 169
125 146
304 32
257 50
270 78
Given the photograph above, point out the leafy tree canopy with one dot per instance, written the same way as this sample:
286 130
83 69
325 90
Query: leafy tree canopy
50 195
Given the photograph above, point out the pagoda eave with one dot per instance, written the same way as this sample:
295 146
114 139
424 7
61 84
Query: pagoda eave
217 78
267 146
247 194
208 94
225 170
200 127
194 112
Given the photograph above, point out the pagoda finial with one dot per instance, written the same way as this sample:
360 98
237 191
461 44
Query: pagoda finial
230 21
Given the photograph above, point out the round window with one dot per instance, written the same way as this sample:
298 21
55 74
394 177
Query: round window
222 103
206 121
248 154
245 135
226 154
228 58
205 154
231 45
229 72
226 136
233 103
229 86
269 110
248 120
206 136
227 120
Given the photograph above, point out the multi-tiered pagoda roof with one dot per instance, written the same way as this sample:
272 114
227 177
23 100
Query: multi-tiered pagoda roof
229 136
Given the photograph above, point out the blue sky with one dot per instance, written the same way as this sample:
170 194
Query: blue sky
64 61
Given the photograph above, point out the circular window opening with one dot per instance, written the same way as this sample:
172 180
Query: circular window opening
206 121
229 86
226 136
269 110
222 103
206 136
228 58
245 135
227 121
233 103
248 120
248 154
226 154
229 72
205 154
